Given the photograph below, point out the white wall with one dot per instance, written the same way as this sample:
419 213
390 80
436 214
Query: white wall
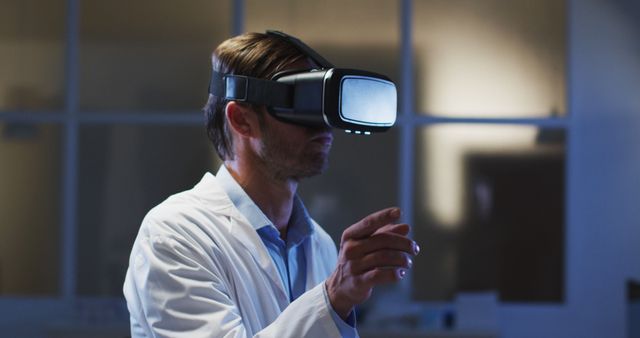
604 210
603 227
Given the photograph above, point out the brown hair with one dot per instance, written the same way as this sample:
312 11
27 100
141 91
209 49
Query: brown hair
251 54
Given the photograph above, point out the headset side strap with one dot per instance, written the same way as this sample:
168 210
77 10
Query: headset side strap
250 89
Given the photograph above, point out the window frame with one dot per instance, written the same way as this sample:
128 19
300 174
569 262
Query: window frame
71 119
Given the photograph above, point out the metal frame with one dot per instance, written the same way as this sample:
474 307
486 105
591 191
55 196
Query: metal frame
70 163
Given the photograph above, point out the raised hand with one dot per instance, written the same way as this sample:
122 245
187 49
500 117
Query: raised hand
373 251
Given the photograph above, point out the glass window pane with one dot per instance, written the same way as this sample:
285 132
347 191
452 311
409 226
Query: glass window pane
149 54
124 172
490 212
32 42
29 209
361 179
490 58
329 28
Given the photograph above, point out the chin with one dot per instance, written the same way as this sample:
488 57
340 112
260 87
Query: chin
320 164
311 170
297 167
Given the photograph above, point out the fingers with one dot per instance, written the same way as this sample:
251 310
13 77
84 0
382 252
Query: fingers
382 276
384 259
356 249
373 251
400 229
368 225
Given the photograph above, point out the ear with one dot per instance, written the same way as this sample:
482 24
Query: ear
242 119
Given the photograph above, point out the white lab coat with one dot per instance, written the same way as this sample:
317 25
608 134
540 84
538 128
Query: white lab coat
199 269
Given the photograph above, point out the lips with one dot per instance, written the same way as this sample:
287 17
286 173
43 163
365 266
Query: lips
324 139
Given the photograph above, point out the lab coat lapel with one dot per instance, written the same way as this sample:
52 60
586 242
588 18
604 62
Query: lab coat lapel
249 238
313 278
242 230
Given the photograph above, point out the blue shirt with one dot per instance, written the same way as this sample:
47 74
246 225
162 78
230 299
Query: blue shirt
288 256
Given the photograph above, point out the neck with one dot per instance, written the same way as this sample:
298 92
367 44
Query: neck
272 195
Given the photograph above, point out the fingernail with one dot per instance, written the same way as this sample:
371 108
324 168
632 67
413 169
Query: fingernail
416 248
395 212
410 262
402 273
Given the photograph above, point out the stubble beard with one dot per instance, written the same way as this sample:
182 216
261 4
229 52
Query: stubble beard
283 161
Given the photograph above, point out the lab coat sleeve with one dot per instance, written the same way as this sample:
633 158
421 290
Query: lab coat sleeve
176 295
180 292
307 316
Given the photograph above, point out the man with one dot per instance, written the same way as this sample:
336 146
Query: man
238 255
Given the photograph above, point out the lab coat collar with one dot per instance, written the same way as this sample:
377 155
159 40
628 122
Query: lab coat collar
241 200
300 224
212 195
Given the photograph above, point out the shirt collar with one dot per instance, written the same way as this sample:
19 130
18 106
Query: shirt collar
300 224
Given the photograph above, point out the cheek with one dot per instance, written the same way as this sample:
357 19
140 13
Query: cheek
295 136
284 141
292 142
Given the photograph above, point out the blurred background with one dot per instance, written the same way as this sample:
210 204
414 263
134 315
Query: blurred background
515 157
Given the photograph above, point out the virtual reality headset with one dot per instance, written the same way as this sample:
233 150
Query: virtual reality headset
356 101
